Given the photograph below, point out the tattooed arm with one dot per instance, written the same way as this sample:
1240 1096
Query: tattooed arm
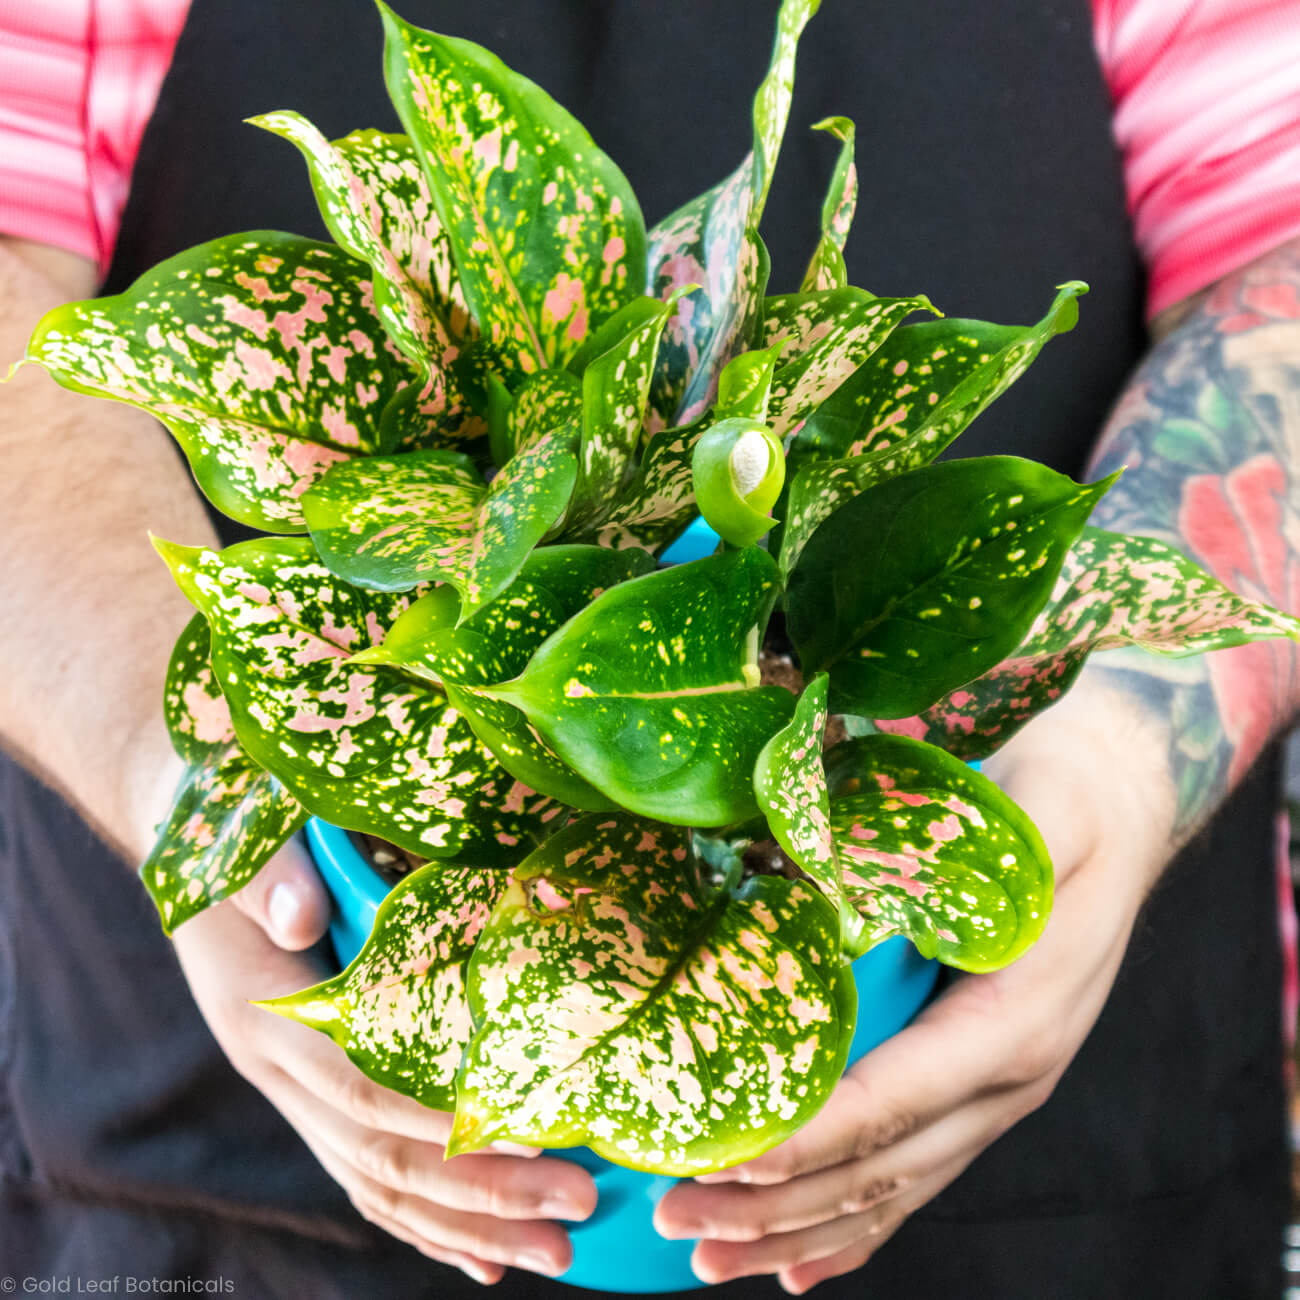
1209 429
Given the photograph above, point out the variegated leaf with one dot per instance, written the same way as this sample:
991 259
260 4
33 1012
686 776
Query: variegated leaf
826 336
388 524
713 241
367 749
548 236
790 783
1113 591
826 269
617 1003
548 400
651 693
937 852
496 643
376 203
260 352
228 816
615 385
904 405
927 580
399 1011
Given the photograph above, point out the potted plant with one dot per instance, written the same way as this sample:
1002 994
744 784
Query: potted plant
640 888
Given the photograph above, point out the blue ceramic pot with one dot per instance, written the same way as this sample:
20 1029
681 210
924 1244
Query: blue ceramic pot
617 1249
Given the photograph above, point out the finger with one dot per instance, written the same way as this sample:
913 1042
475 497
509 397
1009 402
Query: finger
502 1186
478 1269
740 1212
287 899
795 1253
539 1246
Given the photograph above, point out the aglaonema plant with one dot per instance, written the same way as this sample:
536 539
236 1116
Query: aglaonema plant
470 425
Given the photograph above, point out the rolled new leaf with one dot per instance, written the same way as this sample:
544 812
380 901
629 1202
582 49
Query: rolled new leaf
366 748
933 850
260 352
228 816
927 580
1113 591
616 999
548 237
713 241
651 693
399 1010
737 470
495 643
826 270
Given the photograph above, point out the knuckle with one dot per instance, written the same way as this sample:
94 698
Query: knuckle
883 1130
872 1192
385 1159
381 1200
357 1098
1037 1059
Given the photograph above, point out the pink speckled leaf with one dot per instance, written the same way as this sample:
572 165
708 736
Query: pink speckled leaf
548 237
620 1005
615 385
826 269
399 1011
260 352
790 783
651 693
927 580
934 851
495 643
825 336
366 748
389 523
376 203
546 401
904 405
713 241
1113 591
228 816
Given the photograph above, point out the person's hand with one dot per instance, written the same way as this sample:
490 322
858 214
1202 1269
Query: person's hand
478 1212
911 1115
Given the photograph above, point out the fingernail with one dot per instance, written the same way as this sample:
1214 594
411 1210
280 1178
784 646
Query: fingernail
561 1207
478 1273
516 1149
284 907
726 1176
537 1262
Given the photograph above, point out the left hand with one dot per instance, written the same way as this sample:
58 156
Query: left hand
911 1115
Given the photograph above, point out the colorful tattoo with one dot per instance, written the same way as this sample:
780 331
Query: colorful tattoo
1209 427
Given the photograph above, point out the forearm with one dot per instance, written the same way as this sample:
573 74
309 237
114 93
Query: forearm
1209 429
90 613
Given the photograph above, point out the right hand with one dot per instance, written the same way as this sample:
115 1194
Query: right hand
477 1212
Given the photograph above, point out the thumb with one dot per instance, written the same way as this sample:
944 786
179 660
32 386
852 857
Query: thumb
287 899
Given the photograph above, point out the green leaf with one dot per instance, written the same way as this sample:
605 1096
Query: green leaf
367 749
904 405
937 852
228 816
713 241
927 580
745 385
790 783
826 335
496 643
1113 591
826 270
260 352
388 524
548 236
615 385
737 472
377 205
399 1011
619 1005
651 692
546 401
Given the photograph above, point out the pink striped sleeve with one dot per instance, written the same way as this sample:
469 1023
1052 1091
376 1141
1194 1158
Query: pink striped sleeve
1207 115
78 80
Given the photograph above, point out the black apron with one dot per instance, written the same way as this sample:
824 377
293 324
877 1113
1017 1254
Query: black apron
988 175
